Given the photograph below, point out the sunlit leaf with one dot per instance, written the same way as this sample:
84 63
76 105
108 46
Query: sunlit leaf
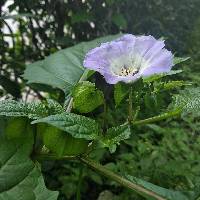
32 110
76 125
188 101
86 97
20 178
165 193
65 144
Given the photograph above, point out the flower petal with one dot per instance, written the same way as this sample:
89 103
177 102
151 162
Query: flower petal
143 44
119 59
154 50
163 62
101 58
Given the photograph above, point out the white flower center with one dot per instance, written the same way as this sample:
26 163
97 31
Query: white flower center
128 65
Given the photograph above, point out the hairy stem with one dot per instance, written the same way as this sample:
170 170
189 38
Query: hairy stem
104 115
122 181
44 156
130 106
157 118
69 106
105 172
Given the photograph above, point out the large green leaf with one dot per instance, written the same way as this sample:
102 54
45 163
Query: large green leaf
32 110
65 144
17 109
64 68
3 123
18 127
20 178
76 125
188 100
166 193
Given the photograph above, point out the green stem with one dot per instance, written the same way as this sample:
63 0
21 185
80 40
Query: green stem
104 115
41 157
130 107
136 113
157 118
122 181
69 106
107 173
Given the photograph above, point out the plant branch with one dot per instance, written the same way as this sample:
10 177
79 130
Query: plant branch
104 115
122 181
104 171
41 157
69 106
157 118
130 106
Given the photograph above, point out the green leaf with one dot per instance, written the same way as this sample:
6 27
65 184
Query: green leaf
63 69
115 135
17 109
178 60
3 123
188 100
41 192
161 75
121 90
166 193
76 125
86 97
33 110
65 144
20 178
163 86
174 84
54 107
18 128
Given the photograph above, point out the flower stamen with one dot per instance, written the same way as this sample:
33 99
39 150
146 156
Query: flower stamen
128 71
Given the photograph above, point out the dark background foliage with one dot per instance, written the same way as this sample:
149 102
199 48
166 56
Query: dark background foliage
166 154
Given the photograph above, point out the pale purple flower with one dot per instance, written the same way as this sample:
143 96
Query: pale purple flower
128 58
